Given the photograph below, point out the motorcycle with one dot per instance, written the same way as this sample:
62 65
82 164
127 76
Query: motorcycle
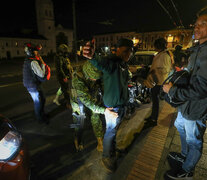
138 94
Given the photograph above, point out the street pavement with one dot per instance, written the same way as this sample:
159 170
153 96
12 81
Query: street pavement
146 156
142 155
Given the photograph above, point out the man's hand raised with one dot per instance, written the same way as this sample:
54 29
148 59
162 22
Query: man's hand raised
89 49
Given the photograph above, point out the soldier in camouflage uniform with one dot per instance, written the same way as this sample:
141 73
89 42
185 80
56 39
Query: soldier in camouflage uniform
86 88
64 72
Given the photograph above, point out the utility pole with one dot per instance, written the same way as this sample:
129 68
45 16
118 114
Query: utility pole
74 32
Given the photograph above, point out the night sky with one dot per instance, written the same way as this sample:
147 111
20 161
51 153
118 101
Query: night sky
102 16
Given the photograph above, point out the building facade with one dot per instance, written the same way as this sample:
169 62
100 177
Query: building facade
145 41
49 36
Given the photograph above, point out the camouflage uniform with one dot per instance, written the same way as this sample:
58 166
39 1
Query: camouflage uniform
64 70
87 92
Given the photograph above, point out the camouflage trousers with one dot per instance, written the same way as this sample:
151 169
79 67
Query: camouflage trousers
96 121
65 88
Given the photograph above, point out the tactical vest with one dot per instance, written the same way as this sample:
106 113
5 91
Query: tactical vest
29 78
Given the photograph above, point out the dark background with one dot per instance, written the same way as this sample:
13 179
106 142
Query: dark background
102 16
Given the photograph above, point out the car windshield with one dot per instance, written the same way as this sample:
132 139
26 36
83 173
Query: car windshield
141 60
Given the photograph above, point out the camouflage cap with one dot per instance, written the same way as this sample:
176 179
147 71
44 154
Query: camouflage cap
90 71
63 48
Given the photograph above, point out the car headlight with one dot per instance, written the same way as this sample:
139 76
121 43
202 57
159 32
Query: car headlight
9 145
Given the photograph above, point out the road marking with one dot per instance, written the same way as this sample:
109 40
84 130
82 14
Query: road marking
10 75
12 84
32 152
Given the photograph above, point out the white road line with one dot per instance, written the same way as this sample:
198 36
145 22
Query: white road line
12 84
34 151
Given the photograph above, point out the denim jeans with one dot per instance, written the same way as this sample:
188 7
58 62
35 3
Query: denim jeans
109 141
191 136
39 102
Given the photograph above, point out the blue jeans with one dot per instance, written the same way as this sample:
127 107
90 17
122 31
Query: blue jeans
191 136
109 141
39 102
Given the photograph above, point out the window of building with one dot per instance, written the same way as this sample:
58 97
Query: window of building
50 13
46 13
17 52
7 44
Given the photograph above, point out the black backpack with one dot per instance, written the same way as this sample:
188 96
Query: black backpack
179 79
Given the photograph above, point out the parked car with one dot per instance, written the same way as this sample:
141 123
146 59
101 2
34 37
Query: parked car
14 156
141 59
139 66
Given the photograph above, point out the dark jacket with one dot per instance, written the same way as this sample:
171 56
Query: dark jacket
30 79
115 80
194 95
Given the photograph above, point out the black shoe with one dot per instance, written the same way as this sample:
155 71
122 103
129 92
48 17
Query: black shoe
109 164
44 120
148 119
176 160
181 174
150 123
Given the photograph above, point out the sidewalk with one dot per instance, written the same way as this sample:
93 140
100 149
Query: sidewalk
147 159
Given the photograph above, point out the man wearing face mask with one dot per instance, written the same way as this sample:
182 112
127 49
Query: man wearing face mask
115 81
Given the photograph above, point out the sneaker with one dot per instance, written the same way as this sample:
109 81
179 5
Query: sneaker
148 119
181 174
109 164
177 156
176 159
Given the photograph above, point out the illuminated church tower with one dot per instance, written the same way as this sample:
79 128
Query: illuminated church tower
46 22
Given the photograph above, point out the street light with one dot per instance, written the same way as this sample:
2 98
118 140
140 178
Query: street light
135 41
170 38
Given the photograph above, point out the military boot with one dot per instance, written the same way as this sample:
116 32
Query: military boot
100 144
78 146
